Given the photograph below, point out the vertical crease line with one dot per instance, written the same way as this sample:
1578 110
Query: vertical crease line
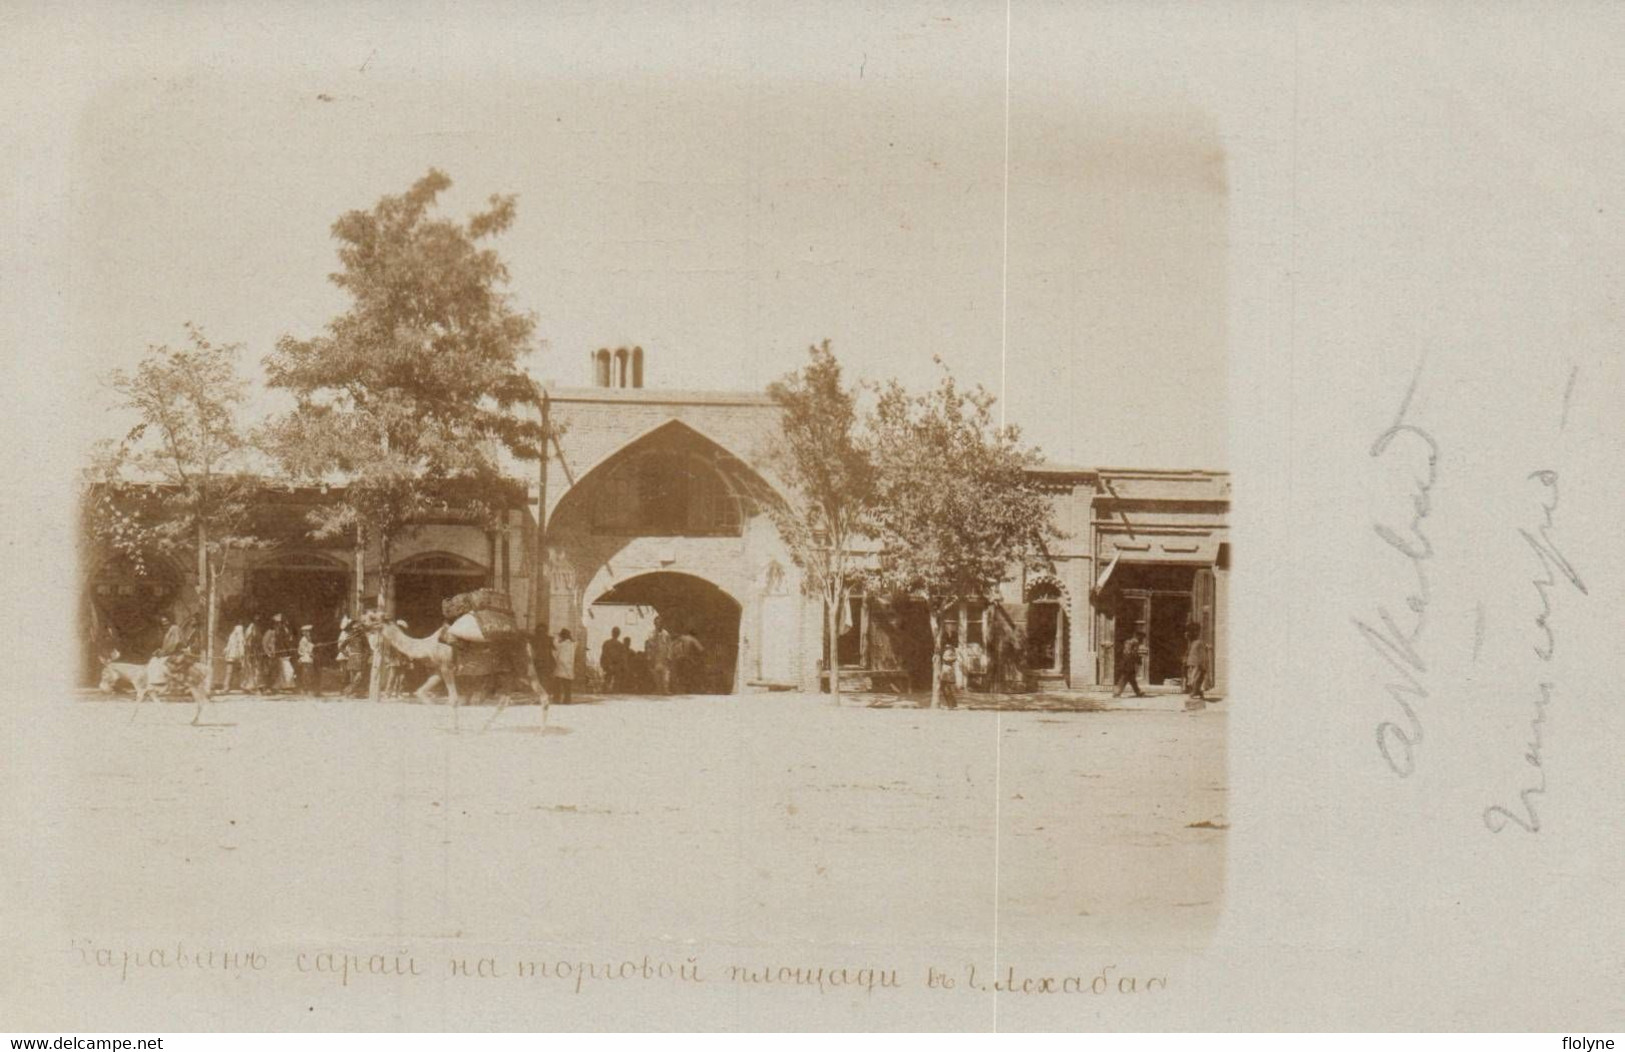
1004 351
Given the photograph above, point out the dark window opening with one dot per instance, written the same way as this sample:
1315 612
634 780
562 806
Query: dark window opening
849 648
1043 628
975 624
667 494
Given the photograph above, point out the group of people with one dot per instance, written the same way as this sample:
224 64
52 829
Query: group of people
1197 667
670 662
955 666
273 660
667 659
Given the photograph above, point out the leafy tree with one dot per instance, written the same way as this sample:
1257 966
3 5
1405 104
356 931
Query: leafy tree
819 455
187 448
955 509
409 396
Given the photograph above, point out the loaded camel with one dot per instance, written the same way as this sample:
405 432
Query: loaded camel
443 658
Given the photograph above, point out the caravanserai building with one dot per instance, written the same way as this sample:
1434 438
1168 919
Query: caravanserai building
652 504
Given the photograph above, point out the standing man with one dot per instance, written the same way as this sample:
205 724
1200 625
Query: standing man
610 660
688 662
271 647
172 637
658 651
394 665
236 648
345 647
950 673
541 651
358 659
564 665
1196 669
1128 666
287 648
251 655
307 662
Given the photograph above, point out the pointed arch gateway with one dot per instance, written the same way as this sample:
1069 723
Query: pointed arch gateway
671 524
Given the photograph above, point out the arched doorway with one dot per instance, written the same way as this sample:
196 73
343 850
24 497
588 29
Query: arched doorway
1046 629
424 581
687 606
126 598
306 588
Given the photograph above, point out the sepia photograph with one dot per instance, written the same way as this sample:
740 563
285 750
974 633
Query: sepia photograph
504 502
775 587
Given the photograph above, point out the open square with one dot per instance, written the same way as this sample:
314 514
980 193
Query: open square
754 818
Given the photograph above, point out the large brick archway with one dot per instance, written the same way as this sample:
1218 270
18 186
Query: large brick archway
675 514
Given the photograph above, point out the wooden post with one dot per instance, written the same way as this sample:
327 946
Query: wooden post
360 573
507 559
375 680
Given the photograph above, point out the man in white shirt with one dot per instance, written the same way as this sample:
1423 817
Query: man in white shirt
236 647
564 665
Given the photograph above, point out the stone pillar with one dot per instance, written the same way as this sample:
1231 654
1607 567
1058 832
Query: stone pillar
1080 619
563 611
811 642
745 663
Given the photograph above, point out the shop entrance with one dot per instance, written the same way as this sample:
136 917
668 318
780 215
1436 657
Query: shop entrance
305 588
424 581
1170 613
1158 601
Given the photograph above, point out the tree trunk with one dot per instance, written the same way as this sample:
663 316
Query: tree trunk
936 655
205 591
213 623
831 645
375 680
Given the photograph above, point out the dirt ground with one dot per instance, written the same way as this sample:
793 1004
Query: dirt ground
759 819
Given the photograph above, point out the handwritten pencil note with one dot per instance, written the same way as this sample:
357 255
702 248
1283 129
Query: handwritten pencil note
1400 643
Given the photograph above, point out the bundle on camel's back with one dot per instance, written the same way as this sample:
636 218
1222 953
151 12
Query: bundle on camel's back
480 641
